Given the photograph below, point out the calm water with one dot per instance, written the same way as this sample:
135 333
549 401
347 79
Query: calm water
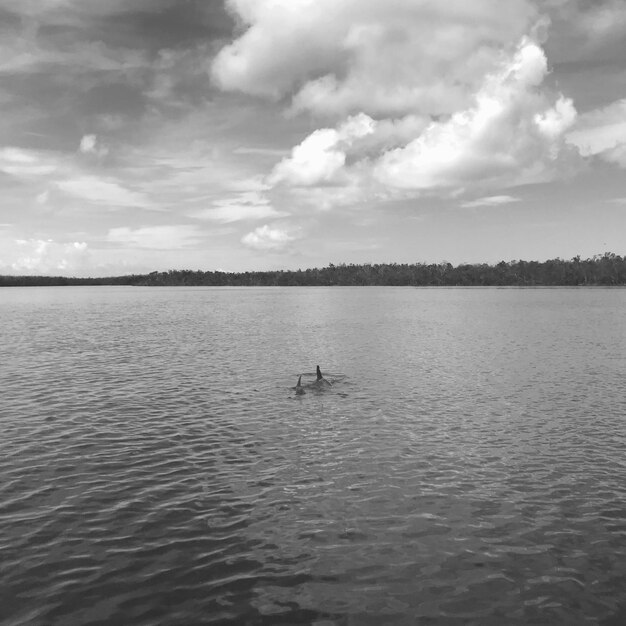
468 465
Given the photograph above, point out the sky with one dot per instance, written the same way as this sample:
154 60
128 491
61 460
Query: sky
239 135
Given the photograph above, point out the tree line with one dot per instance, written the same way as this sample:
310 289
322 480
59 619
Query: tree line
608 269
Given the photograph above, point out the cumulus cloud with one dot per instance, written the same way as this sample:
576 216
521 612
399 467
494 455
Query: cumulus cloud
510 134
391 59
156 237
423 96
322 154
602 132
265 238
45 256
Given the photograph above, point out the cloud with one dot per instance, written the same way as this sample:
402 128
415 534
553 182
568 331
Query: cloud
602 132
45 256
315 160
26 52
230 212
107 58
247 205
336 57
262 151
156 237
510 135
104 191
424 96
89 144
322 154
63 172
25 163
66 11
43 197
265 238
587 31
489 201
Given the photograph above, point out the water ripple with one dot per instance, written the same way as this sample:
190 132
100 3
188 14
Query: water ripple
467 466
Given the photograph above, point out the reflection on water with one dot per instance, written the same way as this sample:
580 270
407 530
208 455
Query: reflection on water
467 465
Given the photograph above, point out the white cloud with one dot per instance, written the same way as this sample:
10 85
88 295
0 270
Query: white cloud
247 205
228 213
602 132
25 163
89 144
357 188
104 191
262 151
16 155
45 256
43 197
315 160
322 154
510 135
268 239
489 201
156 237
553 122
424 96
382 58
253 183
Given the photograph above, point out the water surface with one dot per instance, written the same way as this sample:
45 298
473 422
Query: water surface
468 465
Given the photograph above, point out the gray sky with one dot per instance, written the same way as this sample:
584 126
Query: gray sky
141 135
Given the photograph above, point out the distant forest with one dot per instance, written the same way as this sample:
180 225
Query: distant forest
608 269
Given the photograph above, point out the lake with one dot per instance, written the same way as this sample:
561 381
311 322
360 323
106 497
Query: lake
467 466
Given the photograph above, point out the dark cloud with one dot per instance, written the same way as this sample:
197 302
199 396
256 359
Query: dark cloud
73 63
591 84
115 98
584 33
38 111
144 26
178 24
586 49
9 20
